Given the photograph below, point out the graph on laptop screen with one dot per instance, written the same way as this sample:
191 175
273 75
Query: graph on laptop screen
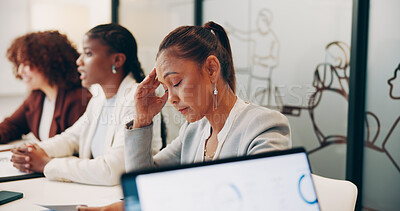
280 182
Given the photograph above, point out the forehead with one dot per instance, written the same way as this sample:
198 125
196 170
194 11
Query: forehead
168 64
93 43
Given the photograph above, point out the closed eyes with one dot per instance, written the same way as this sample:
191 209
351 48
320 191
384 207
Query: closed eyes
166 90
177 84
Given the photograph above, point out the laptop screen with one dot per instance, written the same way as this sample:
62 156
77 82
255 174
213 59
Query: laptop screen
272 181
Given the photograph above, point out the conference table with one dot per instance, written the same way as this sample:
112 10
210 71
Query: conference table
42 191
45 192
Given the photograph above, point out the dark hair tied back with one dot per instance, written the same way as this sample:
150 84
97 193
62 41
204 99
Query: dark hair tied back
226 59
197 43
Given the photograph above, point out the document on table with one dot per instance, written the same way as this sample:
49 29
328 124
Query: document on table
60 207
8 172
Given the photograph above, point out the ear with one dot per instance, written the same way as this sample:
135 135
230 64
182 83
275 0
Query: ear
213 68
119 60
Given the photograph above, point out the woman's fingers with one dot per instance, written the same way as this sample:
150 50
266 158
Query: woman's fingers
15 150
34 145
19 158
147 89
151 78
22 149
23 167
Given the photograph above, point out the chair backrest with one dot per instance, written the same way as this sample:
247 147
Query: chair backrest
334 194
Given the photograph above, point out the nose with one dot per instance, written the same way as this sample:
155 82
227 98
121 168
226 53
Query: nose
20 69
79 60
172 98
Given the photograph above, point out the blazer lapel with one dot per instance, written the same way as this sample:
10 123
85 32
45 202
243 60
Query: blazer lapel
55 127
119 102
34 113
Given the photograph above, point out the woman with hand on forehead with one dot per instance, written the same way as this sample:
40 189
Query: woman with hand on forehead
194 65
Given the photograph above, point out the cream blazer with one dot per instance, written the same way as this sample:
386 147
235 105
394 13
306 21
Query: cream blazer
105 169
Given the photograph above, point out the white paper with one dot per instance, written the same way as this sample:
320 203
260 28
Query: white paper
70 207
6 166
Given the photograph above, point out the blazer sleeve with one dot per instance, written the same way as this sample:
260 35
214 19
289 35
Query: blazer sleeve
156 137
267 131
66 143
102 170
138 153
16 125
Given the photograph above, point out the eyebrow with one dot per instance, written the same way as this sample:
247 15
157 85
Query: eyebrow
169 73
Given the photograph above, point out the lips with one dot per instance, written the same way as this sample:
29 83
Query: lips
26 79
183 110
83 75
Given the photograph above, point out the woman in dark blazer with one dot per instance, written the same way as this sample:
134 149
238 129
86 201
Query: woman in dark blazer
45 62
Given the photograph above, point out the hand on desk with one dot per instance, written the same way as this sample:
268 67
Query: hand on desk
117 206
29 158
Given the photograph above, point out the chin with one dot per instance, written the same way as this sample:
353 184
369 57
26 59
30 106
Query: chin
193 118
30 88
86 85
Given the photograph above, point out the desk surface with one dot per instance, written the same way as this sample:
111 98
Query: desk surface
44 191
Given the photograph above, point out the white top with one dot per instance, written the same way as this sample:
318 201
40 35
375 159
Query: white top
46 119
107 117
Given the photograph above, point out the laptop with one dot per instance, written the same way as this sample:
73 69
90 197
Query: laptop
279 180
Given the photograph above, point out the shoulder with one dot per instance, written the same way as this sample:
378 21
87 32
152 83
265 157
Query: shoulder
256 117
259 112
127 89
34 98
259 129
129 82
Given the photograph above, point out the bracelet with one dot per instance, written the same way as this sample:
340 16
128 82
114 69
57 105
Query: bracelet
129 125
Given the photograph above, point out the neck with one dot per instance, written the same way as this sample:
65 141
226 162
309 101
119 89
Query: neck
225 101
111 86
50 92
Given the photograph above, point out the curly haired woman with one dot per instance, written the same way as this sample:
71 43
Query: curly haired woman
45 62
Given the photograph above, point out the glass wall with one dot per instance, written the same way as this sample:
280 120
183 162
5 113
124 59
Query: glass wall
150 21
381 185
293 56
17 17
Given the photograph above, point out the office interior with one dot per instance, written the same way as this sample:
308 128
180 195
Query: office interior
331 66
